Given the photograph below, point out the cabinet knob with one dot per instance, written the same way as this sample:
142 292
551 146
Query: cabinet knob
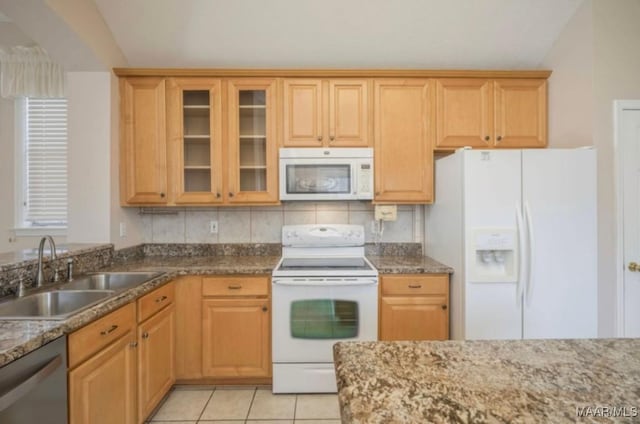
377 193
145 335
161 194
499 138
133 344
319 138
444 307
265 309
230 194
217 195
486 138
332 138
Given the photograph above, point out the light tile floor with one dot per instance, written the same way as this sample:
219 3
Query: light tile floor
250 405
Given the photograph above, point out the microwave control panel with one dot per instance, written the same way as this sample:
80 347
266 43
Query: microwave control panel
365 180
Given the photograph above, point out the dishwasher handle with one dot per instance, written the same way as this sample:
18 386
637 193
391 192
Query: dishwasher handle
14 394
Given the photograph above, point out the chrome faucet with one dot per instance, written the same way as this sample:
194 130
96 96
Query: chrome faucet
54 256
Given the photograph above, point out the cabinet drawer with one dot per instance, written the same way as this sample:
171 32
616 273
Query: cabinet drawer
235 286
418 284
151 303
90 339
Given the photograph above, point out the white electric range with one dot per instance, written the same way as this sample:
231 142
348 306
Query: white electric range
324 290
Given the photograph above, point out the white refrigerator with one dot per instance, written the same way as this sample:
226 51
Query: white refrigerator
519 228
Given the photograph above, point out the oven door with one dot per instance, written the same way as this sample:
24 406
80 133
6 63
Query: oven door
311 314
313 179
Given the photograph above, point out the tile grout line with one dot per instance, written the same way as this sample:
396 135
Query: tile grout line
206 404
255 390
295 409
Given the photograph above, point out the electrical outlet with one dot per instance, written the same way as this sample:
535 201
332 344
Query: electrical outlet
386 212
123 229
213 227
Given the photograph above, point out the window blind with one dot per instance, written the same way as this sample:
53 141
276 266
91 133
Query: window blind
46 162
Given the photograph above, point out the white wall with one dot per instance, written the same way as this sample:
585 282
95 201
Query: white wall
595 61
616 76
89 126
571 97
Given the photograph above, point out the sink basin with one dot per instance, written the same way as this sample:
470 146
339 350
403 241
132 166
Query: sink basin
110 281
51 305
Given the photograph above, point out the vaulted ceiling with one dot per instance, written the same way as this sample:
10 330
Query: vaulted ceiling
483 34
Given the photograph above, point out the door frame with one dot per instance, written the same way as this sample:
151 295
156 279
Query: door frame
619 106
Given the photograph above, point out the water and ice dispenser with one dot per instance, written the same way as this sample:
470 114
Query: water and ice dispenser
493 255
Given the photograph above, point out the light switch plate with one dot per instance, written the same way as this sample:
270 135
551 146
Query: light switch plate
386 212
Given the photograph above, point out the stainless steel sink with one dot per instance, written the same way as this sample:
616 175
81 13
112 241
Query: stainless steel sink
51 305
109 281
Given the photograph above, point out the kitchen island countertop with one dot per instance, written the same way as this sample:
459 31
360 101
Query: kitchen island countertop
488 381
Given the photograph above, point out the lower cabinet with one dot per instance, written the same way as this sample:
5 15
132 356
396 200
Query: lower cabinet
120 366
156 348
236 320
414 307
102 376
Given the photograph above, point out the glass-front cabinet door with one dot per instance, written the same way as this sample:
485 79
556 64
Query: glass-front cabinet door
252 145
195 139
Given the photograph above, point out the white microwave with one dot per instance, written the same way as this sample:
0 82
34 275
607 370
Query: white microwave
326 174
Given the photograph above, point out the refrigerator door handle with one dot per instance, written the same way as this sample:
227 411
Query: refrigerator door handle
532 248
522 257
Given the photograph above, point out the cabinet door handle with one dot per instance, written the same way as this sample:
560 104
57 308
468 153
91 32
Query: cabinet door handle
234 287
161 194
217 195
487 138
499 138
161 299
109 330
133 344
265 309
444 307
415 286
145 335
332 137
319 138
230 194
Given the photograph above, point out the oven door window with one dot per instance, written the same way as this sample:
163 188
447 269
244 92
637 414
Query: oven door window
303 179
324 319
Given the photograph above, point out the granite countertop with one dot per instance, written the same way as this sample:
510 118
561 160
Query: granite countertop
19 337
408 265
488 381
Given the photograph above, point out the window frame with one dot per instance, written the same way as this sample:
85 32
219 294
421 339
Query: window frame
21 226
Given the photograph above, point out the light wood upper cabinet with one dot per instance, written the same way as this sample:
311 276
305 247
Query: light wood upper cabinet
303 120
491 113
403 157
252 165
521 113
414 307
326 113
143 165
464 111
194 127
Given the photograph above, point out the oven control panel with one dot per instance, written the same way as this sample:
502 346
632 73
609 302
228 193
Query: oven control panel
317 235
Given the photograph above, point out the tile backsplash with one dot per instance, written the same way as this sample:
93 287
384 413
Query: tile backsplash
262 224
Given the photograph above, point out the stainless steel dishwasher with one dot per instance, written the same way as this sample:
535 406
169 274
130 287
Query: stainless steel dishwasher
33 389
